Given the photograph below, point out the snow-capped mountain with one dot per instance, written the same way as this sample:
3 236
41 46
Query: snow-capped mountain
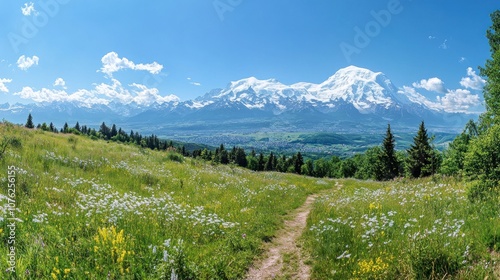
367 91
351 95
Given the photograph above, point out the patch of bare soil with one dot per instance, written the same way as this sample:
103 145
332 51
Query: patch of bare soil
284 258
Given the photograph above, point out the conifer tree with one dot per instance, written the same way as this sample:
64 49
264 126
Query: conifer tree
269 164
29 122
299 161
491 71
422 159
77 126
389 164
104 130
113 132
261 163
482 158
241 157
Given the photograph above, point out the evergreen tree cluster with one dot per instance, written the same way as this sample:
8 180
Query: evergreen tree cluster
378 163
111 134
475 154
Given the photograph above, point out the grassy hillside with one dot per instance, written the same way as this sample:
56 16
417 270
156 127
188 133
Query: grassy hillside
88 209
94 210
419 229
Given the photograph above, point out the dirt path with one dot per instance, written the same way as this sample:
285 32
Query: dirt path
284 258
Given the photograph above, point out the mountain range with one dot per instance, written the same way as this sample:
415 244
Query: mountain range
352 99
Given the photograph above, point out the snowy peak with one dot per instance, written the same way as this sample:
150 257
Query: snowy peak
353 73
254 86
366 90
254 83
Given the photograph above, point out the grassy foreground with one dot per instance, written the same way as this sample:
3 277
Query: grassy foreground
89 209
403 230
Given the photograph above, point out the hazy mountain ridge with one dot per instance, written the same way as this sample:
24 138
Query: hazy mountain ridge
351 95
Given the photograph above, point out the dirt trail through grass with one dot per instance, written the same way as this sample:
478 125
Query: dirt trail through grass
284 258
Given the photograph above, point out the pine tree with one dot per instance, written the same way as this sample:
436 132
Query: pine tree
77 126
104 130
299 161
261 163
389 164
241 157
29 122
66 128
422 159
52 127
490 71
269 164
482 158
113 132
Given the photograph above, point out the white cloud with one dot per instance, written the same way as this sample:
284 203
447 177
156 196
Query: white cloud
444 45
460 100
28 9
3 87
148 96
472 81
454 101
53 95
462 59
101 94
60 83
114 92
111 63
193 83
431 37
24 63
432 84
418 98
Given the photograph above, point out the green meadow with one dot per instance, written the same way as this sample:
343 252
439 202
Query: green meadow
91 209
407 229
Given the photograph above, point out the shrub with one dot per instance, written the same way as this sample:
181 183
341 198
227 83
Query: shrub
172 156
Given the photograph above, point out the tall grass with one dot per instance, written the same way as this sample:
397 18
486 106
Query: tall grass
424 229
95 210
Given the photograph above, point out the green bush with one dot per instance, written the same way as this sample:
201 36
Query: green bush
175 157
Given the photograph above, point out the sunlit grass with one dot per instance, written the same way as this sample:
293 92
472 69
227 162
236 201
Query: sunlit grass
420 229
97 210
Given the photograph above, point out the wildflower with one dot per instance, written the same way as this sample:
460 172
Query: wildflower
165 256
344 255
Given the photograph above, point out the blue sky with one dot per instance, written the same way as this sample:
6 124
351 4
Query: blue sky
153 50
